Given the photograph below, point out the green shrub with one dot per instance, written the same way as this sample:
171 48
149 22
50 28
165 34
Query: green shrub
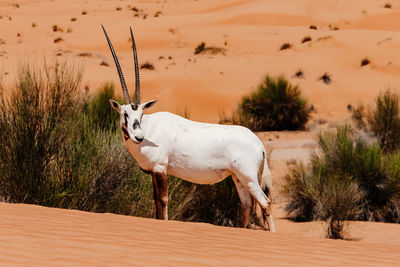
382 120
32 122
348 179
99 111
276 105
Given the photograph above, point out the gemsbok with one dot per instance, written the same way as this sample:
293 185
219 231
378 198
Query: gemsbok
164 143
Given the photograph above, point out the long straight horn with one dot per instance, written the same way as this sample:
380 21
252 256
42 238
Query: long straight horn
137 88
121 76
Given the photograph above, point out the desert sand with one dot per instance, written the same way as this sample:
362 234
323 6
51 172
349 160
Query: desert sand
204 86
33 235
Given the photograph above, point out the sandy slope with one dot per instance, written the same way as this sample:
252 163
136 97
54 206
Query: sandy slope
36 236
252 31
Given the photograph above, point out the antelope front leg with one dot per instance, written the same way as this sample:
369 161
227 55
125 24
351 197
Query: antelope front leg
160 190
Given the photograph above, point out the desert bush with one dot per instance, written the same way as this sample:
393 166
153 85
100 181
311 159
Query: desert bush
213 50
285 46
382 120
326 78
350 178
306 39
339 201
32 120
299 74
276 105
147 65
365 61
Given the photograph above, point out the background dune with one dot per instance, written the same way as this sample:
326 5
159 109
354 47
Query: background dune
206 85
166 34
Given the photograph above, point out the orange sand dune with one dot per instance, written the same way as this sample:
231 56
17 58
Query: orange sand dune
252 31
36 236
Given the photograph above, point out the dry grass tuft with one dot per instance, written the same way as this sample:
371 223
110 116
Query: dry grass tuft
203 49
58 39
388 5
286 46
365 61
326 78
147 66
306 39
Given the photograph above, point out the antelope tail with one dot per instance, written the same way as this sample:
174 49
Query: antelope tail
264 176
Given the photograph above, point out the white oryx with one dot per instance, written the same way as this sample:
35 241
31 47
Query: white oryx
164 143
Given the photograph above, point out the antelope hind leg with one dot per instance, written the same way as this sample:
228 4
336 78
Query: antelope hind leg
265 203
246 201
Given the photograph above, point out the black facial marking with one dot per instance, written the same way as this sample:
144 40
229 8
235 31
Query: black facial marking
134 106
136 124
126 119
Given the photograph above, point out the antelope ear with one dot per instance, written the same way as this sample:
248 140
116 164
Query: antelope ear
115 105
149 104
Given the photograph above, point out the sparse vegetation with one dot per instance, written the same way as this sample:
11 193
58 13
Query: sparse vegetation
276 105
73 19
147 66
299 74
286 46
57 29
203 49
58 39
388 5
84 12
333 28
326 78
350 179
34 25
306 39
313 27
157 14
364 62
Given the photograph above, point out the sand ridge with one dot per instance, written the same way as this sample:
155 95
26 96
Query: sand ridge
50 236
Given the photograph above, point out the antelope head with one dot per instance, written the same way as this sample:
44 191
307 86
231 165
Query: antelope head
131 114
